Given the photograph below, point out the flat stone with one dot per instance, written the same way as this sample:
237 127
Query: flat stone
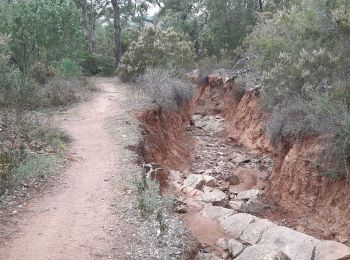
236 204
196 117
262 252
248 194
212 195
214 212
235 247
296 245
329 250
235 224
253 232
222 243
195 181
191 192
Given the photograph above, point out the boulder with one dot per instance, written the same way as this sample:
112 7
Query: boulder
214 212
248 194
296 245
235 247
262 252
235 224
195 181
253 232
331 250
212 195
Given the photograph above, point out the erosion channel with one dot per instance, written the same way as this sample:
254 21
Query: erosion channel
241 197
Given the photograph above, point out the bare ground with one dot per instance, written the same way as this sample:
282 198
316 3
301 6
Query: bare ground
91 213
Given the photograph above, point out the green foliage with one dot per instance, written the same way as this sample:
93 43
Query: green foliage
66 67
97 64
42 30
156 47
35 165
301 54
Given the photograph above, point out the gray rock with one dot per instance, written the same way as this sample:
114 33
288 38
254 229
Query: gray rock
214 212
253 206
235 247
331 250
222 243
296 245
195 181
196 117
262 252
253 232
248 194
235 224
212 195
236 204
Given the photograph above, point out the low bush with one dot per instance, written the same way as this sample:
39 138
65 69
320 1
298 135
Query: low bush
155 48
68 68
164 88
41 72
97 64
29 147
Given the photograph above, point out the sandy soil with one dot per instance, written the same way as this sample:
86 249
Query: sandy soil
73 219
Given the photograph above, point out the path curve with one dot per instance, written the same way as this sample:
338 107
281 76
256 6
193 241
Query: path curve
73 220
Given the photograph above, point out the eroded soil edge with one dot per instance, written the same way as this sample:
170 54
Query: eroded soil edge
238 193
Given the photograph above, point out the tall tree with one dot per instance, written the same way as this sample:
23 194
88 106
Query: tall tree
91 11
117 31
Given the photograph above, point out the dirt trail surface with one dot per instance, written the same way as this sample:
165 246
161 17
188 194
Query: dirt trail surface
92 212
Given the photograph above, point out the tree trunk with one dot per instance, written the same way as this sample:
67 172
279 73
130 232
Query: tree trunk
117 32
88 25
261 5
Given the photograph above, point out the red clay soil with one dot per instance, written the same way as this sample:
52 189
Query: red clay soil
304 199
165 141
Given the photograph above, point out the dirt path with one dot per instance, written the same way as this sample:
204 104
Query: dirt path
75 218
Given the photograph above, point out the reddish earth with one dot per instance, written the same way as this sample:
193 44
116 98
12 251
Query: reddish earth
300 197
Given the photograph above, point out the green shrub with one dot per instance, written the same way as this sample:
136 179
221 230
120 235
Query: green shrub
97 64
35 165
154 48
68 68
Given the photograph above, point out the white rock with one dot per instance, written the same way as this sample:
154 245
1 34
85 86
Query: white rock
222 243
235 247
253 232
214 212
195 181
213 195
331 250
235 224
248 194
262 252
236 204
296 245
